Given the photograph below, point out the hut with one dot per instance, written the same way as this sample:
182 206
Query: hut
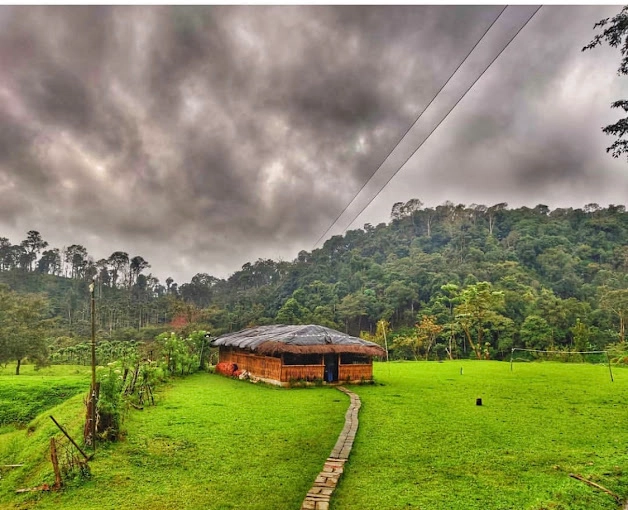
279 354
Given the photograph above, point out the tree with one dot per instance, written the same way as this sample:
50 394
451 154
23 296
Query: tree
422 338
479 307
492 213
382 332
356 305
615 34
50 262
427 331
22 326
291 312
448 299
412 341
136 266
581 335
76 256
33 244
119 262
617 302
5 253
399 294
536 333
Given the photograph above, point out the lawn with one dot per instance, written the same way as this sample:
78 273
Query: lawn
217 443
210 443
423 442
25 396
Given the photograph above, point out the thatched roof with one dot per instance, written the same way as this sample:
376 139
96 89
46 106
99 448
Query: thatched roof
309 339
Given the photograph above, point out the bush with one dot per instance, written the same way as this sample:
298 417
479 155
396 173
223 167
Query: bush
110 402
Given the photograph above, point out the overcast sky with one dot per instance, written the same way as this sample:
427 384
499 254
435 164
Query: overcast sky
204 137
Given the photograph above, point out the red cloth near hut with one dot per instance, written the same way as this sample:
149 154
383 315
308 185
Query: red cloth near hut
227 369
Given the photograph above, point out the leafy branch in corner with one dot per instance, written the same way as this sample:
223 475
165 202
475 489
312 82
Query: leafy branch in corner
615 33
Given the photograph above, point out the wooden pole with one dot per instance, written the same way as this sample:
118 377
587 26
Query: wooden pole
609 366
68 436
385 341
92 414
55 463
597 486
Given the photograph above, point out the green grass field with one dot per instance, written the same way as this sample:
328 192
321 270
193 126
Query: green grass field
211 442
216 443
423 443
25 396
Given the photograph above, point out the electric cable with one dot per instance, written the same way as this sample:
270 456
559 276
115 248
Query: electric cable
443 119
410 127
434 129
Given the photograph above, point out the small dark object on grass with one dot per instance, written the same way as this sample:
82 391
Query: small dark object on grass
478 401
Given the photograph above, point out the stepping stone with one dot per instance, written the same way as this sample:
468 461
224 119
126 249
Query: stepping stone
321 491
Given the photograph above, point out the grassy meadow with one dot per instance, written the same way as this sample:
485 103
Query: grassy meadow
211 442
423 443
25 396
217 443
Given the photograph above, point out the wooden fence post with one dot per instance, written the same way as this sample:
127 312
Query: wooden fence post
55 463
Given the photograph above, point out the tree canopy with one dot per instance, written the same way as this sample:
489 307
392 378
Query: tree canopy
478 280
615 34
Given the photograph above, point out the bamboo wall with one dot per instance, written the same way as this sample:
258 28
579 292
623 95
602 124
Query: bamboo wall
260 366
305 372
355 372
268 367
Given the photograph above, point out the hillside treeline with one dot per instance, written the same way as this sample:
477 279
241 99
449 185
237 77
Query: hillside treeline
462 280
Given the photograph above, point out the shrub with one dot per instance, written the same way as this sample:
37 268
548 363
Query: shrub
110 402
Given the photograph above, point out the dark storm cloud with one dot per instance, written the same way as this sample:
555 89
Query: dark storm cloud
529 131
204 137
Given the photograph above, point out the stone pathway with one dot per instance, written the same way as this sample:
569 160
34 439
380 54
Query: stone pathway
319 495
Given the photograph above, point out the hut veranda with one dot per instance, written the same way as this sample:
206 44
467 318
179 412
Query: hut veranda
279 354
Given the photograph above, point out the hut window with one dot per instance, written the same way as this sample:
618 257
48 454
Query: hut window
354 359
301 359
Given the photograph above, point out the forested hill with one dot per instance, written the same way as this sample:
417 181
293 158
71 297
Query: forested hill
487 277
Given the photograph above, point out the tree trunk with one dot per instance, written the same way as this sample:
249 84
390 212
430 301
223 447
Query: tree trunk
17 368
427 351
478 345
451 341
476 349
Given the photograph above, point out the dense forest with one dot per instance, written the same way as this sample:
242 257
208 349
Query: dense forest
454 280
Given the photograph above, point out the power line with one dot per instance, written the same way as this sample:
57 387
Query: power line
411 126
443 119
